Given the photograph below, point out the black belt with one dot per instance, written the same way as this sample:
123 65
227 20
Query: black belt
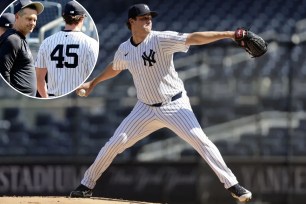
51 95
175 97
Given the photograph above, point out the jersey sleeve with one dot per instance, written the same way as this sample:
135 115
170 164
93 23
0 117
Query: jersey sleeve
119 63
172 42
40 59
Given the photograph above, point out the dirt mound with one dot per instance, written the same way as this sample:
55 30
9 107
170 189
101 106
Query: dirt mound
63 200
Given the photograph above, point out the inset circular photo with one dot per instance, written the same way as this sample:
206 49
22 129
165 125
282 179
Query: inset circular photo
47 48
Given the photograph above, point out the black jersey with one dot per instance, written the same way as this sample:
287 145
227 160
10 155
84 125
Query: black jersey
16 62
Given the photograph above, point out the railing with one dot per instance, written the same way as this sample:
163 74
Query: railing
172 147
49 26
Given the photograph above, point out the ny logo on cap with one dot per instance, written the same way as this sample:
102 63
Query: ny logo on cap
146 7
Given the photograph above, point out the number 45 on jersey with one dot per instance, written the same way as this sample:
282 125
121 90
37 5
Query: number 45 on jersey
61 60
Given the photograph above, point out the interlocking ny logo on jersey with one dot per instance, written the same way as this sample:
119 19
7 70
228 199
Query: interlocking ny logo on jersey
150 59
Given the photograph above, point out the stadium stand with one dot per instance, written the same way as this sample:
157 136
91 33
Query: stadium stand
224 83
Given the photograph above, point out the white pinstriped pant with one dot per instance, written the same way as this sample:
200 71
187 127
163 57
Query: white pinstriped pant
143 120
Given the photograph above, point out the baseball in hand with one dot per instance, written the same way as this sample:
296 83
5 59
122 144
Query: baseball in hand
82 92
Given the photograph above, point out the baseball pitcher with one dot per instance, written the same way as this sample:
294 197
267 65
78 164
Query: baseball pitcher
162 98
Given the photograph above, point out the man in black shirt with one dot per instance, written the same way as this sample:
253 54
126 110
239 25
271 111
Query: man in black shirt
16 60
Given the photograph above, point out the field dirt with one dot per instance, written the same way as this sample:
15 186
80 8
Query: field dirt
63 200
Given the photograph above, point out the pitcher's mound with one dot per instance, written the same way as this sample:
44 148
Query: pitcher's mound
63 200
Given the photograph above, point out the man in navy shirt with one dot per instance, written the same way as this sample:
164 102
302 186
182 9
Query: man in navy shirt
16 60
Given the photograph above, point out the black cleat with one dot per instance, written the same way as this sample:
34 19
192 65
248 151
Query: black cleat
81 192
239 192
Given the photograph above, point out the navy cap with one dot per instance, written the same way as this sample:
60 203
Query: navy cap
26 3
140 10
73 8
7 20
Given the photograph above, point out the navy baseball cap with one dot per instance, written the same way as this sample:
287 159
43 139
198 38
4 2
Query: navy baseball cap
26 3
140 10
73 8
7 20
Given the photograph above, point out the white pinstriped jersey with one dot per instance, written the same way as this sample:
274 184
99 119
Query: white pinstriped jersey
69 57
151 65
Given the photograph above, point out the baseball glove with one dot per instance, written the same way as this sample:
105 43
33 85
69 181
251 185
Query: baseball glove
250 42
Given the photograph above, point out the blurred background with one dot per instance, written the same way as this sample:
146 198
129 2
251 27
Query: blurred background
253 109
